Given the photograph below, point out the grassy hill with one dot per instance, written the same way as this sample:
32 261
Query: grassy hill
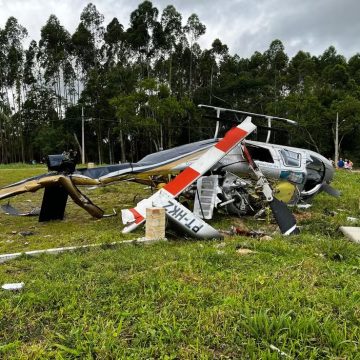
295 297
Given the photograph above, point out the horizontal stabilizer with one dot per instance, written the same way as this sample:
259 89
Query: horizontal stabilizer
180 215
185 219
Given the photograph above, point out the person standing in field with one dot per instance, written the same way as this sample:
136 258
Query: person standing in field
348 164
340 164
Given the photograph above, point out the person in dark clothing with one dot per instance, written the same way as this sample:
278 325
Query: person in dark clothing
340 163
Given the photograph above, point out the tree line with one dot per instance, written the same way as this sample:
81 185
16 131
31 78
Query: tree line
138 88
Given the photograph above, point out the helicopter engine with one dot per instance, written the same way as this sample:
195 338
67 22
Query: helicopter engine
226 192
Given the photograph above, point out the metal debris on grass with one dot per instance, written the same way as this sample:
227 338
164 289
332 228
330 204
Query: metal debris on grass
303 206
274 348
243 251
26 233
13 286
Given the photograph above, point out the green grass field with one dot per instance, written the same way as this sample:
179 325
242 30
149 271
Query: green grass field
180 299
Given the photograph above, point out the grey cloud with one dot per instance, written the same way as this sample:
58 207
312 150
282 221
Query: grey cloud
245 26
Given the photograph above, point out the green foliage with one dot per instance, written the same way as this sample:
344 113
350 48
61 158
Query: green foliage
52 139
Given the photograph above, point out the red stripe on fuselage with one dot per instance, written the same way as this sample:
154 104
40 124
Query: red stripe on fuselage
182 181
230 139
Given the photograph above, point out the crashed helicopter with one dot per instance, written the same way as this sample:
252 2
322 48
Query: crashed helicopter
231 174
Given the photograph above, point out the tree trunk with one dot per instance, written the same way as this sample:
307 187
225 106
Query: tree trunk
110 148
170 73
190 77
99 143
78 144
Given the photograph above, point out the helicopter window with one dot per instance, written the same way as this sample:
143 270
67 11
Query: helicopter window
259 153
291 158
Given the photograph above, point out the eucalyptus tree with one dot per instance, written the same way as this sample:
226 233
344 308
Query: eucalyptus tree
166 34
92 21
39 114
180 65
277 61
354 68
55 59
301 69
218 51
171 23
30 64
306 108
114 49
239 81
4 125
13 61
12 37
3 66
115 55
83 51
206 64
127 107
142 22
159 45
120 81
152 110
88 42
194 28
330 57
3 91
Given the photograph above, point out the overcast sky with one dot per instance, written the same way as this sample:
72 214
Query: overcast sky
245 26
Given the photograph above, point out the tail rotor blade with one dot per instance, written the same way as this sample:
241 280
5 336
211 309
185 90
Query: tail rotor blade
330 190
284 217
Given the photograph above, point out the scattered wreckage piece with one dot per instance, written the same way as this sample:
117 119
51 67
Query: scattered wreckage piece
57 189
13 286
10 210
55 251
351 232
236 230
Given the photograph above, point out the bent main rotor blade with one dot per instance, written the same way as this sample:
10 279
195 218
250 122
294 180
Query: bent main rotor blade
136 216
56 184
